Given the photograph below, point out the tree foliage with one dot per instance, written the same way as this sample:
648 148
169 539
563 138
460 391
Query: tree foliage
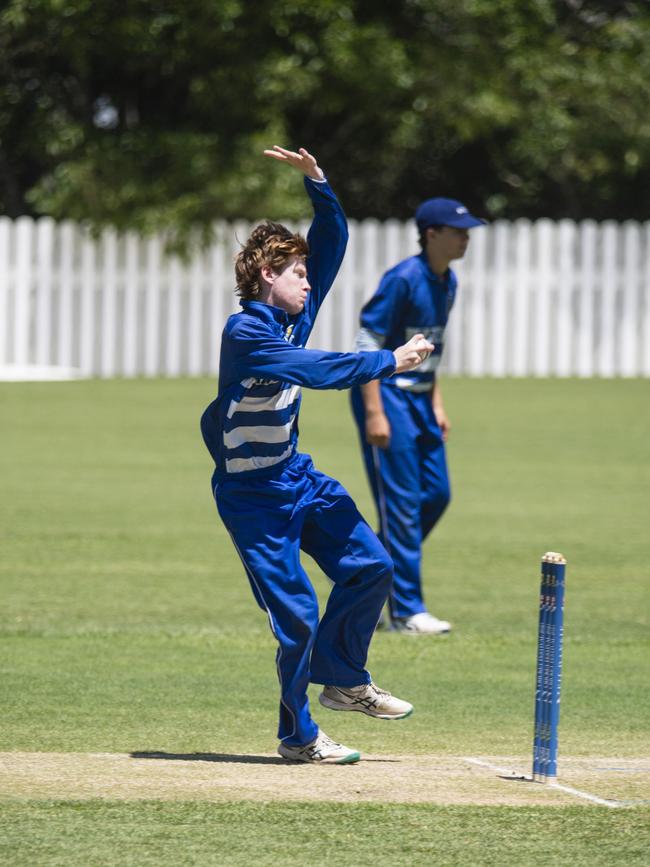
153 113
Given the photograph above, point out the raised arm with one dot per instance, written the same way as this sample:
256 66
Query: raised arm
328 234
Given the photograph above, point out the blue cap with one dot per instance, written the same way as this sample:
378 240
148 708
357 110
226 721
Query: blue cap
445 212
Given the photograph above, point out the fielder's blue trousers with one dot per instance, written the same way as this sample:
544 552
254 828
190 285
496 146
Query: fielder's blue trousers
410 485
270 520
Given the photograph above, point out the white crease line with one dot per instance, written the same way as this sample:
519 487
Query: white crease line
571 791
568 789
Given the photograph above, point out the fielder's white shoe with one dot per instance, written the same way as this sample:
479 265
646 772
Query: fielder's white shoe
422 624
366 698
323 750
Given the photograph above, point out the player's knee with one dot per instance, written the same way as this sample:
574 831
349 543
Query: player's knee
377 571
383 571
381 561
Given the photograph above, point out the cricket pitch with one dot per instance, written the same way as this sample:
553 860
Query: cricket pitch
444 780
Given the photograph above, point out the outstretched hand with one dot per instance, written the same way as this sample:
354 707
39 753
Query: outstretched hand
301 160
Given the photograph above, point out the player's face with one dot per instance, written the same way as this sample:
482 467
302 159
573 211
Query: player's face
448 242
289 288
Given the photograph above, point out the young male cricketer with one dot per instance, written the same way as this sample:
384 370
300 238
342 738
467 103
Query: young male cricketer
271 498
402 423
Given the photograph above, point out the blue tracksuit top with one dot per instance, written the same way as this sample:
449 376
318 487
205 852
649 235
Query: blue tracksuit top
410 298
251 429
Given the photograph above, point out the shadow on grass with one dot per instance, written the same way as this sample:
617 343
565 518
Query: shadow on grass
211 757
230 758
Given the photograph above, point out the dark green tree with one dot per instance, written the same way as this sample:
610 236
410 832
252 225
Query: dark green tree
154 113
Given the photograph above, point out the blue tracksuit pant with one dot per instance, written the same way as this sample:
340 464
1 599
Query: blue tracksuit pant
410 485
270 521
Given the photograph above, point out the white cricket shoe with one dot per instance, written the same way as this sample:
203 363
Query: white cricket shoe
323 750
422 624
366 698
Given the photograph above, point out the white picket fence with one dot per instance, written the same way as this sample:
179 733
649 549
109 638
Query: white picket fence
535 299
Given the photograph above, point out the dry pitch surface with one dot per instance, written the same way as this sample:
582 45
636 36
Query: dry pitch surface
397 779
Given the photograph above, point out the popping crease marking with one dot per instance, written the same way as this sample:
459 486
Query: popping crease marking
605 802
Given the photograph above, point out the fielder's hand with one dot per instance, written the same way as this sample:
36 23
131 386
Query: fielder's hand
302 160
377 429
412 353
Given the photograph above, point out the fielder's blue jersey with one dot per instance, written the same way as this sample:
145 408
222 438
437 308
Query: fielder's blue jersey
251 429
410 299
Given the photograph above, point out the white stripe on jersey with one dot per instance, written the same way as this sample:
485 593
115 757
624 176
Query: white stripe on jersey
261 433
412 384
248 403
241 465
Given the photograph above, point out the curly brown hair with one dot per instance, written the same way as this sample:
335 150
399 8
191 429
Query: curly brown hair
270 244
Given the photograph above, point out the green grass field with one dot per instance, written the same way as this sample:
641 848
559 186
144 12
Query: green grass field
127 624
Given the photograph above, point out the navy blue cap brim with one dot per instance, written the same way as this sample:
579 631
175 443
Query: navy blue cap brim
466 221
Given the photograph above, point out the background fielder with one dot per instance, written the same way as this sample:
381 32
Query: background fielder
402 422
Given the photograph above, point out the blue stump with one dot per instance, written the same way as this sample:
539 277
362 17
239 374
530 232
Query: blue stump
549 667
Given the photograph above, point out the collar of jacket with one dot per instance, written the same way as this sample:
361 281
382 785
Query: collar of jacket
425 264
266 312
